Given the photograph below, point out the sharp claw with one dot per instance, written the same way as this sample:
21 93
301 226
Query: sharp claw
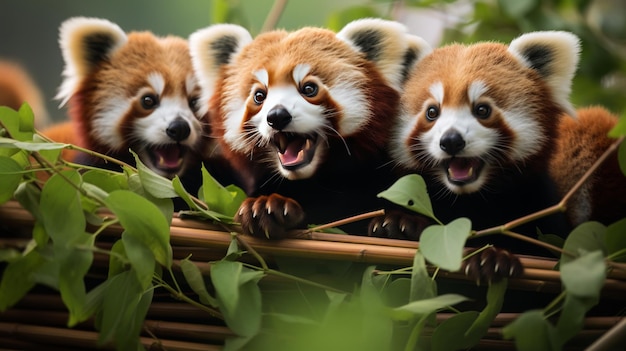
385 223
375 228
254 214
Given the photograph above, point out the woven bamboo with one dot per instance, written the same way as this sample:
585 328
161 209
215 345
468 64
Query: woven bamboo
38 322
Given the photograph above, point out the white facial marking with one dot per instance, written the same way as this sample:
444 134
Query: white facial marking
262 76
300 72
307 117
157 82
106 122
436 90
152 128
476 90
354 107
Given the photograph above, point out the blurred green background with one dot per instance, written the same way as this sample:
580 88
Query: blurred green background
29 29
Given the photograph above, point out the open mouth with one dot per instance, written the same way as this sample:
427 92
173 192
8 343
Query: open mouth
167 158
294 150
463 170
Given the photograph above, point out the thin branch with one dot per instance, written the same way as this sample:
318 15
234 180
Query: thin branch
272 18
346 221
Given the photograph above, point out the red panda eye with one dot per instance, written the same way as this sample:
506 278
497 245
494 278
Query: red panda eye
432 112
309 90
482 111
259 97
149 101
193 104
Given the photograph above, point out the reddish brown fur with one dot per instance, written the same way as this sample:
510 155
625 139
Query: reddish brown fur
581 142
330 58
122 76
456 66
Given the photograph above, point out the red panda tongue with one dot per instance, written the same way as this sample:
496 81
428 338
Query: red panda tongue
168 156
463 169
294 153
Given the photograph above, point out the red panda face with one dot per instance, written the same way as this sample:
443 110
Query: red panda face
296 99
287 107
134 91
472 112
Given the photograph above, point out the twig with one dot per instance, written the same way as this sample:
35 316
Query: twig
272 18
562 205
346 221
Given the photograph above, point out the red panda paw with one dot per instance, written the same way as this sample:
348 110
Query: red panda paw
269 217
398 225
491 265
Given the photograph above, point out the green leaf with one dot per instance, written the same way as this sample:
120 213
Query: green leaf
616 240
117 259
10 176
124 309
238 296
107 181
422 285
572 318
194 278
377 327
425 307
449 335
532 332
587 237
442 245
410 192
196 210
17 279
620 128
74 265
158 186
584 276
165 205
30 145
20 124
61 208
144 221
9 255
141 259
224 200
495 299
29 196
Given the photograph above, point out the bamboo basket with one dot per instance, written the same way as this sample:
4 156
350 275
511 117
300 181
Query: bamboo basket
38 321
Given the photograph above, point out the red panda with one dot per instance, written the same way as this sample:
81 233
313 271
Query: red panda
305 114
129 91
479 123
581 142
18 87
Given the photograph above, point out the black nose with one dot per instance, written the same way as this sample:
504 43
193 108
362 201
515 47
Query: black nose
278 117
178 130
452 142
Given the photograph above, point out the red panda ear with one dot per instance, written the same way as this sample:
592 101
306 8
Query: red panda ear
85 42
213 47
554 55
388 45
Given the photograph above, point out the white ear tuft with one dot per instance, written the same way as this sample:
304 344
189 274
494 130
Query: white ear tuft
554 54
213 47
387 44
84 43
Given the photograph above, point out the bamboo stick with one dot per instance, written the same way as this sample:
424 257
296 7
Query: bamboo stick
200 235
87 339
